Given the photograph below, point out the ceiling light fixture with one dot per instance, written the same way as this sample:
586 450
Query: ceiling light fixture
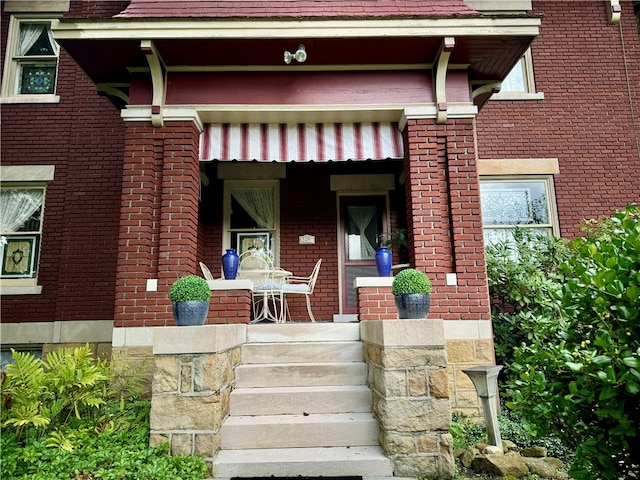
300 56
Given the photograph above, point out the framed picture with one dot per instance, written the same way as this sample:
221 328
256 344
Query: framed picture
258 241
18 256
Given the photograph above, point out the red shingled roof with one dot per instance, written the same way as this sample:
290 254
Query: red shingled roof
294 8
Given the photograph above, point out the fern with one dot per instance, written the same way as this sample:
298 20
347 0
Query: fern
58 440
47 394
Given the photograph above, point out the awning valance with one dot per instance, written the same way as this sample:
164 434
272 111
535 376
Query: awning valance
301 142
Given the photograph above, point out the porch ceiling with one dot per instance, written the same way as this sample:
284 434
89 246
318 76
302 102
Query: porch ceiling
108 51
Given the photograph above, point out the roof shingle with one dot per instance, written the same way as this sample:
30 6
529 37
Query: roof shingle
294 8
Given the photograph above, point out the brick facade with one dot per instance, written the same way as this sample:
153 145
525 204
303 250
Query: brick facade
589 73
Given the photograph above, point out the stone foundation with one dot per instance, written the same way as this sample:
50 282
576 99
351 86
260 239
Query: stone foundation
407 375
193 375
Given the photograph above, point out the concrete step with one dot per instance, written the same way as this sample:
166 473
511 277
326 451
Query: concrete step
301 352
303 462
300 400
299 431
303 332
301 374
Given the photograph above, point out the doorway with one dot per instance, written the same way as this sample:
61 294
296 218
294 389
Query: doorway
362 221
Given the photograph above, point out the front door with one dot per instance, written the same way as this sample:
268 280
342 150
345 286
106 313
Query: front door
362 220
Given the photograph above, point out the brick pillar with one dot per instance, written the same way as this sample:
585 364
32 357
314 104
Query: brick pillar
158 219
445 224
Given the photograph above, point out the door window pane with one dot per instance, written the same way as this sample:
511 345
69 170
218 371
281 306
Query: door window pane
363 231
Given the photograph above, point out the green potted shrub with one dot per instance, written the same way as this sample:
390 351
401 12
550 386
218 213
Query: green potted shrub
190 296
412 291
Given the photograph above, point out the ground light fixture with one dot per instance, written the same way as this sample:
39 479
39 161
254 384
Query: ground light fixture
485 379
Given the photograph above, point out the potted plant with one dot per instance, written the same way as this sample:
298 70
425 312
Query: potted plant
412 291
397 240
190 299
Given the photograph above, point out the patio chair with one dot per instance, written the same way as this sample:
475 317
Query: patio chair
266 291
206 272
301 286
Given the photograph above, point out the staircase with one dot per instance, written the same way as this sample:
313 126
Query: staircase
301 406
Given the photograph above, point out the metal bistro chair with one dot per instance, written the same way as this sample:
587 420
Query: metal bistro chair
206 272
301 286
266 291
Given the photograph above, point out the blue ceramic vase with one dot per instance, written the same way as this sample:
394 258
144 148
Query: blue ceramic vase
230 262
384 259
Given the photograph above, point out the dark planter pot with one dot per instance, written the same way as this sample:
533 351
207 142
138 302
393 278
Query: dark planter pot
413 305
192 312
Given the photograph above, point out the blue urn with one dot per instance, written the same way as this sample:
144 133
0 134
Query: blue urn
230 262
384 259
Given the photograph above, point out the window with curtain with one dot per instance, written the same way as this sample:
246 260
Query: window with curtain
31 59
520 83
21 211
517 202
253 216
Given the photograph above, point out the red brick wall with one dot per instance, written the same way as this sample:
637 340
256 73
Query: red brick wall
445 223
159 219
83 136
585 119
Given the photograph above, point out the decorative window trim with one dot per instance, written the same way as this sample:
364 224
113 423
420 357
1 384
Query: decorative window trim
529 92
518 166
9 93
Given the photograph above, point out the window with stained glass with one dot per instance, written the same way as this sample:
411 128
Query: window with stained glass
32 59
21 211
516 202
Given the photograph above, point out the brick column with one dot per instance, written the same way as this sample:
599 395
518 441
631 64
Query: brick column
158 219
445 224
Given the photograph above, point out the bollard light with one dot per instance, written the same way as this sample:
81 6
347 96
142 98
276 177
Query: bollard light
485 379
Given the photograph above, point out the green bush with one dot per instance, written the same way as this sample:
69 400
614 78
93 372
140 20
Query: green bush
40 396
582 382
466 431
410 281
524 279
190 287
66 417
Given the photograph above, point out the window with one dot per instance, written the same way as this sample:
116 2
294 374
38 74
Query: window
524 201
520 84
21 209
31 62
252 216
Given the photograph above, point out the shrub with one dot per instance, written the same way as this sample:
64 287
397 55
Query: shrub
190 287
65 417
44 395
410 281
524 280
584 387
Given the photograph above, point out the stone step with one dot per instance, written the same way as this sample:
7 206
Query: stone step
301 352
301 374
303 462
303 332
299 431
300 400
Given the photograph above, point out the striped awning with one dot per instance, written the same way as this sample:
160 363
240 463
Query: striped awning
300 142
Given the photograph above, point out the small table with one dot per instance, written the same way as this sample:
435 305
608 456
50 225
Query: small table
271 293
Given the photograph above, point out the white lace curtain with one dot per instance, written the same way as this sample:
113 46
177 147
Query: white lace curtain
362 217
258 203
17 207
29 34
